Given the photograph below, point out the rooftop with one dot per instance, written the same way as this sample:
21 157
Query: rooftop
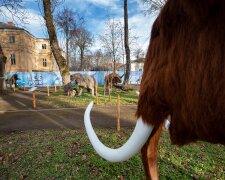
139 60
9 25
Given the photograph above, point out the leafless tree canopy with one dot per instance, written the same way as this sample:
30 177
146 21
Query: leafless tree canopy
112 40
153 5
83 40
68 22
13 10
138 53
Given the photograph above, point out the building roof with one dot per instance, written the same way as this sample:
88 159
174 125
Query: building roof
9 25
12 26
139 60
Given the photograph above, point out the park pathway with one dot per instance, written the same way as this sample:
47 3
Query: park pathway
17 114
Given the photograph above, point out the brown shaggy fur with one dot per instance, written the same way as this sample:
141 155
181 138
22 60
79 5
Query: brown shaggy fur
184 71
113 77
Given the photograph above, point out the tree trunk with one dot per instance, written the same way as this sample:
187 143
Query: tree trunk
2 70
60 60
114 64
67 51
81 59
126 44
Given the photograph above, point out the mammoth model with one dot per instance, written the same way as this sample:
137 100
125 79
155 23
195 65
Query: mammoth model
110 80
12 81
183 81
85 81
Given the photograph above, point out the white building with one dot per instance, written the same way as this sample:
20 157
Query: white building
137 65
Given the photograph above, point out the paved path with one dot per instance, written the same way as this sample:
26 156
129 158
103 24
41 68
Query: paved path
17 114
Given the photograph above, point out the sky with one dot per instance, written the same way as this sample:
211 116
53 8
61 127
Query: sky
95 13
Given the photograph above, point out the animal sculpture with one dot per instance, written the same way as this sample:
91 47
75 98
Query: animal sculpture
183 82
85 81
110 80
12 81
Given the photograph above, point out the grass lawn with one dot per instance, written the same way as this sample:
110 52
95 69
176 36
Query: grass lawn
67 154
58 100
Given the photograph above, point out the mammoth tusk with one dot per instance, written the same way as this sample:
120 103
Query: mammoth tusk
167 122
138 93
138 138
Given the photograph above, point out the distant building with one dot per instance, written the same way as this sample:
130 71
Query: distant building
137 65
119 66
24 52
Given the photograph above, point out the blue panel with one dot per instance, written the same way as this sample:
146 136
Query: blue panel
39 79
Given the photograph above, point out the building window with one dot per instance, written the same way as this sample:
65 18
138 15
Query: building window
44 46
11 39
44 62
12 59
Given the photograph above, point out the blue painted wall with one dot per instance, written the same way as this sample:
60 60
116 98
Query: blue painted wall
39 79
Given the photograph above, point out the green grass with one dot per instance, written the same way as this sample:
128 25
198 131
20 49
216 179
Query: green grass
67 154
58 100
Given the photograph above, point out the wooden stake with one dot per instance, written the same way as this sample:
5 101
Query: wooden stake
34 100
96 94
104 93
110 90
109 96
118 112
55 88
48 90
111 87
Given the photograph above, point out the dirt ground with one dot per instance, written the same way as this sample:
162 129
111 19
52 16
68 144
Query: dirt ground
17 114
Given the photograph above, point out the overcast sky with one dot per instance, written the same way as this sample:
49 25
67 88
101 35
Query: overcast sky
94 13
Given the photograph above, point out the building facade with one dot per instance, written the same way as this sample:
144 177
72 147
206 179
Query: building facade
137 65
24 52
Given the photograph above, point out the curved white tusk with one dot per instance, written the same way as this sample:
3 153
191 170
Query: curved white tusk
138 93
167 122
138 138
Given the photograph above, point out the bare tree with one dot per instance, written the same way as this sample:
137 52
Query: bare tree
14 10
68 22
98 56
111 40
100 60
153 5
138 53
73 54
126 45
83 40
60 60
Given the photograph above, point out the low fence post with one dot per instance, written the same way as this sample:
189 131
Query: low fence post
48 90
109 96
55 88
96 94
34 100
32 90
104 92
118 112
